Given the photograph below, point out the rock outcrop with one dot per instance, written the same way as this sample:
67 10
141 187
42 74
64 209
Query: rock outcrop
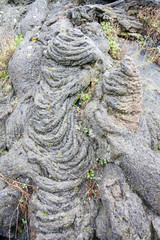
64 54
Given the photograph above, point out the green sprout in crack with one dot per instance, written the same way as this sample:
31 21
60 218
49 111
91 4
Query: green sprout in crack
102 162
8 88
24 186
76 101
46 214
18 39
85 96
24 221
3 153
90 174
112 38
85 130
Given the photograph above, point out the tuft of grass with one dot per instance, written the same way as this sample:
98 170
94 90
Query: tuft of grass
111 35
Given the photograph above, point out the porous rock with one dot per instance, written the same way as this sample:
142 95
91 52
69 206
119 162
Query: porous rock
156 226
35 16
121 215
128 148
60 57
60 155
8 197
5 111
122 93
24 77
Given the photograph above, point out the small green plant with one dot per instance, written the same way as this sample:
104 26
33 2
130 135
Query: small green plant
102 162
85 96
46 214
142 42
24 185
82 99
111 36
158 148
8 88
4 74
75 104
18 39
24 221
86 229
90 174
85 130
3 152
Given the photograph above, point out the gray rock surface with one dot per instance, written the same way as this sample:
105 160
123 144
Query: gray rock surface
10 18
63 55
21 2
24 77
16 123
9 196
122 215
35 16
5 110
156 226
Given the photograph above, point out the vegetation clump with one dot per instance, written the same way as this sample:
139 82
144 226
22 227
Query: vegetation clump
91 186
111 35
8 45
150 18
90 174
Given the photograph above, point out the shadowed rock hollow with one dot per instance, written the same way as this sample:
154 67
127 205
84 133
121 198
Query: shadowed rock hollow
63 53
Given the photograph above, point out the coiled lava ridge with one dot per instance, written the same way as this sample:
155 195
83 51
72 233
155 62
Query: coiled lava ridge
52 144
122 90
63 153
53 153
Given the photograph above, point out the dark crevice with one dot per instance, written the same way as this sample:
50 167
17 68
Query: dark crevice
3 238
104 2
94 236
153 233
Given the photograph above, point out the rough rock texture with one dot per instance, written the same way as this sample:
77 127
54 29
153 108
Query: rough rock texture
19 2
35 16
156 226
9 196
5 110
10 17
64 54
24 76
122 215
122 93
